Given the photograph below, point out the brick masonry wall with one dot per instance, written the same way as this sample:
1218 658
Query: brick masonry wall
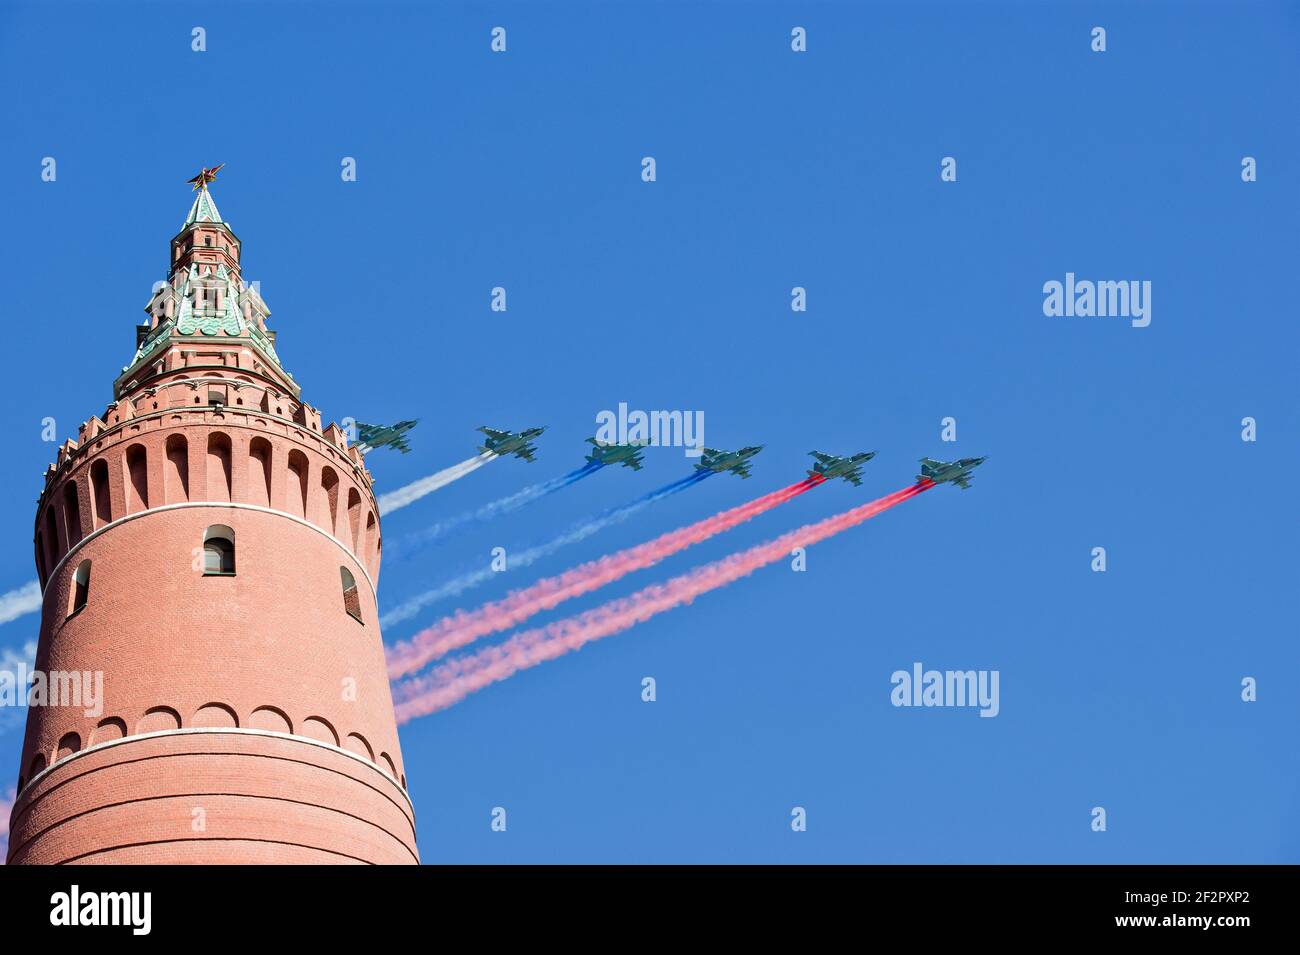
213 797
269 648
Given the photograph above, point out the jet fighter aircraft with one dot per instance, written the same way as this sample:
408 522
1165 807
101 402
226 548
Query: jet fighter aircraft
371 436
508 442
956 472
829 466
628 455
719 461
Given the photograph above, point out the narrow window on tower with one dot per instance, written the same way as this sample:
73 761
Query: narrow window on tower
80 588
40 562
219 551
351 599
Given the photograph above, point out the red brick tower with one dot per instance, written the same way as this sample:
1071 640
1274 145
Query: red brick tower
213 552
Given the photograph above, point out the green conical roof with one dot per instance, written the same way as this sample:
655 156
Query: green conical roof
203 210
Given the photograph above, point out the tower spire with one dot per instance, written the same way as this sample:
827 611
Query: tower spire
204 209
204 299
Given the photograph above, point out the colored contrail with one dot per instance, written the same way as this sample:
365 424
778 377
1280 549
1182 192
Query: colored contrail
463 627
451 682
503 505
394 500
458 585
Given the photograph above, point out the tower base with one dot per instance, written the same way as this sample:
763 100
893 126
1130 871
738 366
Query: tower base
213 797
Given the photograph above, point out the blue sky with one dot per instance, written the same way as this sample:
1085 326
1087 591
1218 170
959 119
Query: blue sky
775 170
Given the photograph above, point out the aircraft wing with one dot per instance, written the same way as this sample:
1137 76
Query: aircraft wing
823 457
400 444
962 482
932 462
742 470
494 434
527 452
854 478
634 462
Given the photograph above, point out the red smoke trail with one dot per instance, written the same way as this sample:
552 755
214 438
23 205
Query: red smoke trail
464 627
452 681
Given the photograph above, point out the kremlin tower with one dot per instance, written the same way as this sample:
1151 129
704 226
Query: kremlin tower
211 551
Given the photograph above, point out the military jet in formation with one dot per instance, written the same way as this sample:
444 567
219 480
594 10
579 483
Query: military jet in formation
956 472
371 436
829 466
736 461
628 455
508 442
825 466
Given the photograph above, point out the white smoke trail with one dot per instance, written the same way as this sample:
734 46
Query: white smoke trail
6 806
463 627
15 668
395 500
458 585
504 505
18 603
12 660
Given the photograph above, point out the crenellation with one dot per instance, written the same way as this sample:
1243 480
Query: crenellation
144 411
151 434
335 436
91 427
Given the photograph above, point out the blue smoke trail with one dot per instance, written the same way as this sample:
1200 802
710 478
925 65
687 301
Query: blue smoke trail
615 515
504 505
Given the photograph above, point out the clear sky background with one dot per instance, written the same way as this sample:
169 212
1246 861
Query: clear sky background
775 169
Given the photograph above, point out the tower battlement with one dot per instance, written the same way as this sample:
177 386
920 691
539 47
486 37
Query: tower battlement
158 430
204 391
212 550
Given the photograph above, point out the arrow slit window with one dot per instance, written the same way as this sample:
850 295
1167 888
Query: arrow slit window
80 588
351 599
